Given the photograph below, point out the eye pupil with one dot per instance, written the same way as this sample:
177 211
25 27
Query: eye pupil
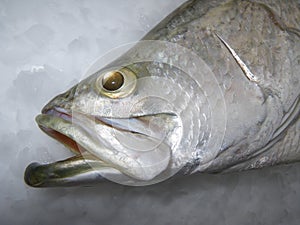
113 81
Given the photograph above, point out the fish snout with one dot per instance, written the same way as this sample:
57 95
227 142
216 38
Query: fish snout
62 101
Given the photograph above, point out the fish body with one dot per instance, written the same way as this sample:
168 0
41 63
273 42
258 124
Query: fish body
214 87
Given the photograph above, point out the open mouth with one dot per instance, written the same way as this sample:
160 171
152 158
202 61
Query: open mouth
94 159
56 124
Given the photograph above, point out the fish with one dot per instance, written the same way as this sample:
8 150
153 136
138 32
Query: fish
213 88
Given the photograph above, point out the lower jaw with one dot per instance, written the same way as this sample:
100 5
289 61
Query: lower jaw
70 172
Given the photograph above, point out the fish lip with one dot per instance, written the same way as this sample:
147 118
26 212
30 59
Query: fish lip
65 117
58 112
107 121
64 114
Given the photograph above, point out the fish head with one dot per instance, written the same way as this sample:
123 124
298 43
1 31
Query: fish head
132 123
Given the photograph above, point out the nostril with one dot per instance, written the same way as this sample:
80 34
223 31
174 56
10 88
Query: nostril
69 95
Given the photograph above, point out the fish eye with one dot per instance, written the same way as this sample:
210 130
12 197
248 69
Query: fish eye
116 83
112 81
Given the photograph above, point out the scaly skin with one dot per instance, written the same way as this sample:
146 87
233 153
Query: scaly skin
264 34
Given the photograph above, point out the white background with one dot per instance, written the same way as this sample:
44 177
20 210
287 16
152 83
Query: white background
45 47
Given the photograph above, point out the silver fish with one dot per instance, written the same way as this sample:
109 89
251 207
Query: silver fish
214 87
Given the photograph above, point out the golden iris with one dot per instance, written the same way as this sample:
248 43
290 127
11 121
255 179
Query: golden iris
116 83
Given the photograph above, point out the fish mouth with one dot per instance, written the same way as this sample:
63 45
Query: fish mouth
93 159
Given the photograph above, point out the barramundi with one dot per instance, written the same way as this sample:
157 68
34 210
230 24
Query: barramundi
213 88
